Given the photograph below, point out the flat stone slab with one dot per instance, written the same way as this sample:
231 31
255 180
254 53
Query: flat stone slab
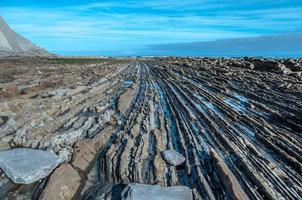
25 166
173 157
156 192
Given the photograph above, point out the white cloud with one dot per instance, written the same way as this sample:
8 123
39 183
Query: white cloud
97 25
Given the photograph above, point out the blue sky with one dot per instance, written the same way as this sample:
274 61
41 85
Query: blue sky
125 27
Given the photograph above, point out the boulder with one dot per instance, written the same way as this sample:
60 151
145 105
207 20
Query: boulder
156 192
173 157
25 166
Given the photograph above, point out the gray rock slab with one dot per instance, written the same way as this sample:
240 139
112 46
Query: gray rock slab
173 157
25 166
156 192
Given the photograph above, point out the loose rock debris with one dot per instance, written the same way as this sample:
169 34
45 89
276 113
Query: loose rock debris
235 125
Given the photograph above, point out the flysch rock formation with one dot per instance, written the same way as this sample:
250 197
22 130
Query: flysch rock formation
12 44
234 123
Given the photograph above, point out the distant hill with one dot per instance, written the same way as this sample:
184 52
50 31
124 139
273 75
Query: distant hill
12 44
283 45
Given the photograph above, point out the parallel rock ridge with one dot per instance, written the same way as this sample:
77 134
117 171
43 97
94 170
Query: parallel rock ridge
12 44
217 128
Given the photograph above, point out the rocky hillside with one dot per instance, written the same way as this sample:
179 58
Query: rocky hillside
12 44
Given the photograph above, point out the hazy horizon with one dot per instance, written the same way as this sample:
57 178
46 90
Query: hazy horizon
281 46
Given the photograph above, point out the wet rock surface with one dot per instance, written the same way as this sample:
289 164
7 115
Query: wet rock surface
236 124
